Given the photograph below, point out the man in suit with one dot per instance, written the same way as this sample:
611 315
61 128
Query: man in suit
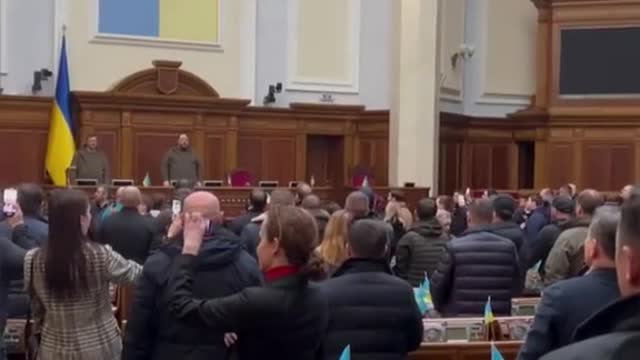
250 236
91 163
181 162
302 191
152 333
257 205
475 266
369 308
566 304
614 331
129 233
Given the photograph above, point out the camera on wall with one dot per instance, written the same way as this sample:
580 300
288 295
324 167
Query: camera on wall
38 77
270 98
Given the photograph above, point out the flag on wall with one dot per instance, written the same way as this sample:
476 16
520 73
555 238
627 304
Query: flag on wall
61 146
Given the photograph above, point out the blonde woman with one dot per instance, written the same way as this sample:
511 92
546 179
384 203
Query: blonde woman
333 249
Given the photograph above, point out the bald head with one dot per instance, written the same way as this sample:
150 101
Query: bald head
357 204
311 202
302 191
204 203
130 197
588 201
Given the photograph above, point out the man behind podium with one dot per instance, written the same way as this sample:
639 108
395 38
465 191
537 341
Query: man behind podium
180 162
91 163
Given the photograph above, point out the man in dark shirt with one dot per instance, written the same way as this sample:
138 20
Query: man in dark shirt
257 205
566 304
181 162
91 163
129 233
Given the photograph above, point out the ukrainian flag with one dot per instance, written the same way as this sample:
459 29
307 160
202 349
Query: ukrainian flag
488 312
61 146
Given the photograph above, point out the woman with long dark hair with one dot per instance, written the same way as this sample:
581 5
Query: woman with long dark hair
285 319
68 282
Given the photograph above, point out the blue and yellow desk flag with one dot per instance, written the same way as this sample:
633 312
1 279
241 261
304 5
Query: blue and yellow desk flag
61 146
495 353
346 353
488 312
423 296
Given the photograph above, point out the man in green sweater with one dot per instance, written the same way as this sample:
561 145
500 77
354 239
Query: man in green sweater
181 162
91 163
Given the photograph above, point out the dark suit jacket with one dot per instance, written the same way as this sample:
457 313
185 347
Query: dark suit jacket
612 333
564 306
129 234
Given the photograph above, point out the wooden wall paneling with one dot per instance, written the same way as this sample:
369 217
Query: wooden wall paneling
250 154
623 164
351 152
23 154
197 140
108 140
560 159
279 159
381 161
127 149
450 167
300 156
481 167
501 166
336 166
598 161
231 160
214 159
149 148
317 159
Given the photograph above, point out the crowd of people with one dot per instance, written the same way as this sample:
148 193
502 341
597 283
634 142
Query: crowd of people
296 277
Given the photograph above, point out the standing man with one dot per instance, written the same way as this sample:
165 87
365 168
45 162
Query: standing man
180 162
91 163
370 309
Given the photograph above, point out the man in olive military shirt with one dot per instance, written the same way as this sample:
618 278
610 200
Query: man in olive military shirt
180 162
91 163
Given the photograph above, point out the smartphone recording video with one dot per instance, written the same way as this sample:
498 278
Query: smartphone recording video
10 200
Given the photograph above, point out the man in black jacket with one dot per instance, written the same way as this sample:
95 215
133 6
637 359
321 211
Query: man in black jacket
257 205
475 266
420 250
223 269
370 309
127 232
250 236
614 331
568 303
562 215
504 206
313 205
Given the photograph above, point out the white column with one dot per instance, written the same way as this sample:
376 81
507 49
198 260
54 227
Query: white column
413 128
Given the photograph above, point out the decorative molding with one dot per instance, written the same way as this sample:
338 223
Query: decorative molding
296 83
4 28
96 37
488 98
451 95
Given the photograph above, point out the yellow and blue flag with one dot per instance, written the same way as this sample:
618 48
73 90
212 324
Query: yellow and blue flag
423 296
61 146
488 312
346 353
495 353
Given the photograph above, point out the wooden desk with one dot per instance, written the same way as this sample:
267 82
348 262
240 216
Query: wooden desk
465 351
233 200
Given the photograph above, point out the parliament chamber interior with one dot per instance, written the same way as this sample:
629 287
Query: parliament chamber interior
438 162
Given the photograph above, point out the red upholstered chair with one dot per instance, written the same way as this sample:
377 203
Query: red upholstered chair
359 173
241 178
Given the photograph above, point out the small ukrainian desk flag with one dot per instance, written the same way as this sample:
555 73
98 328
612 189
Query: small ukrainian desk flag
61 146
495 353
423 296
346 353
488 312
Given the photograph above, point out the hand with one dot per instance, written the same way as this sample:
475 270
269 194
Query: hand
166 183
461 201
17 218
175 228
230 339
193 233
